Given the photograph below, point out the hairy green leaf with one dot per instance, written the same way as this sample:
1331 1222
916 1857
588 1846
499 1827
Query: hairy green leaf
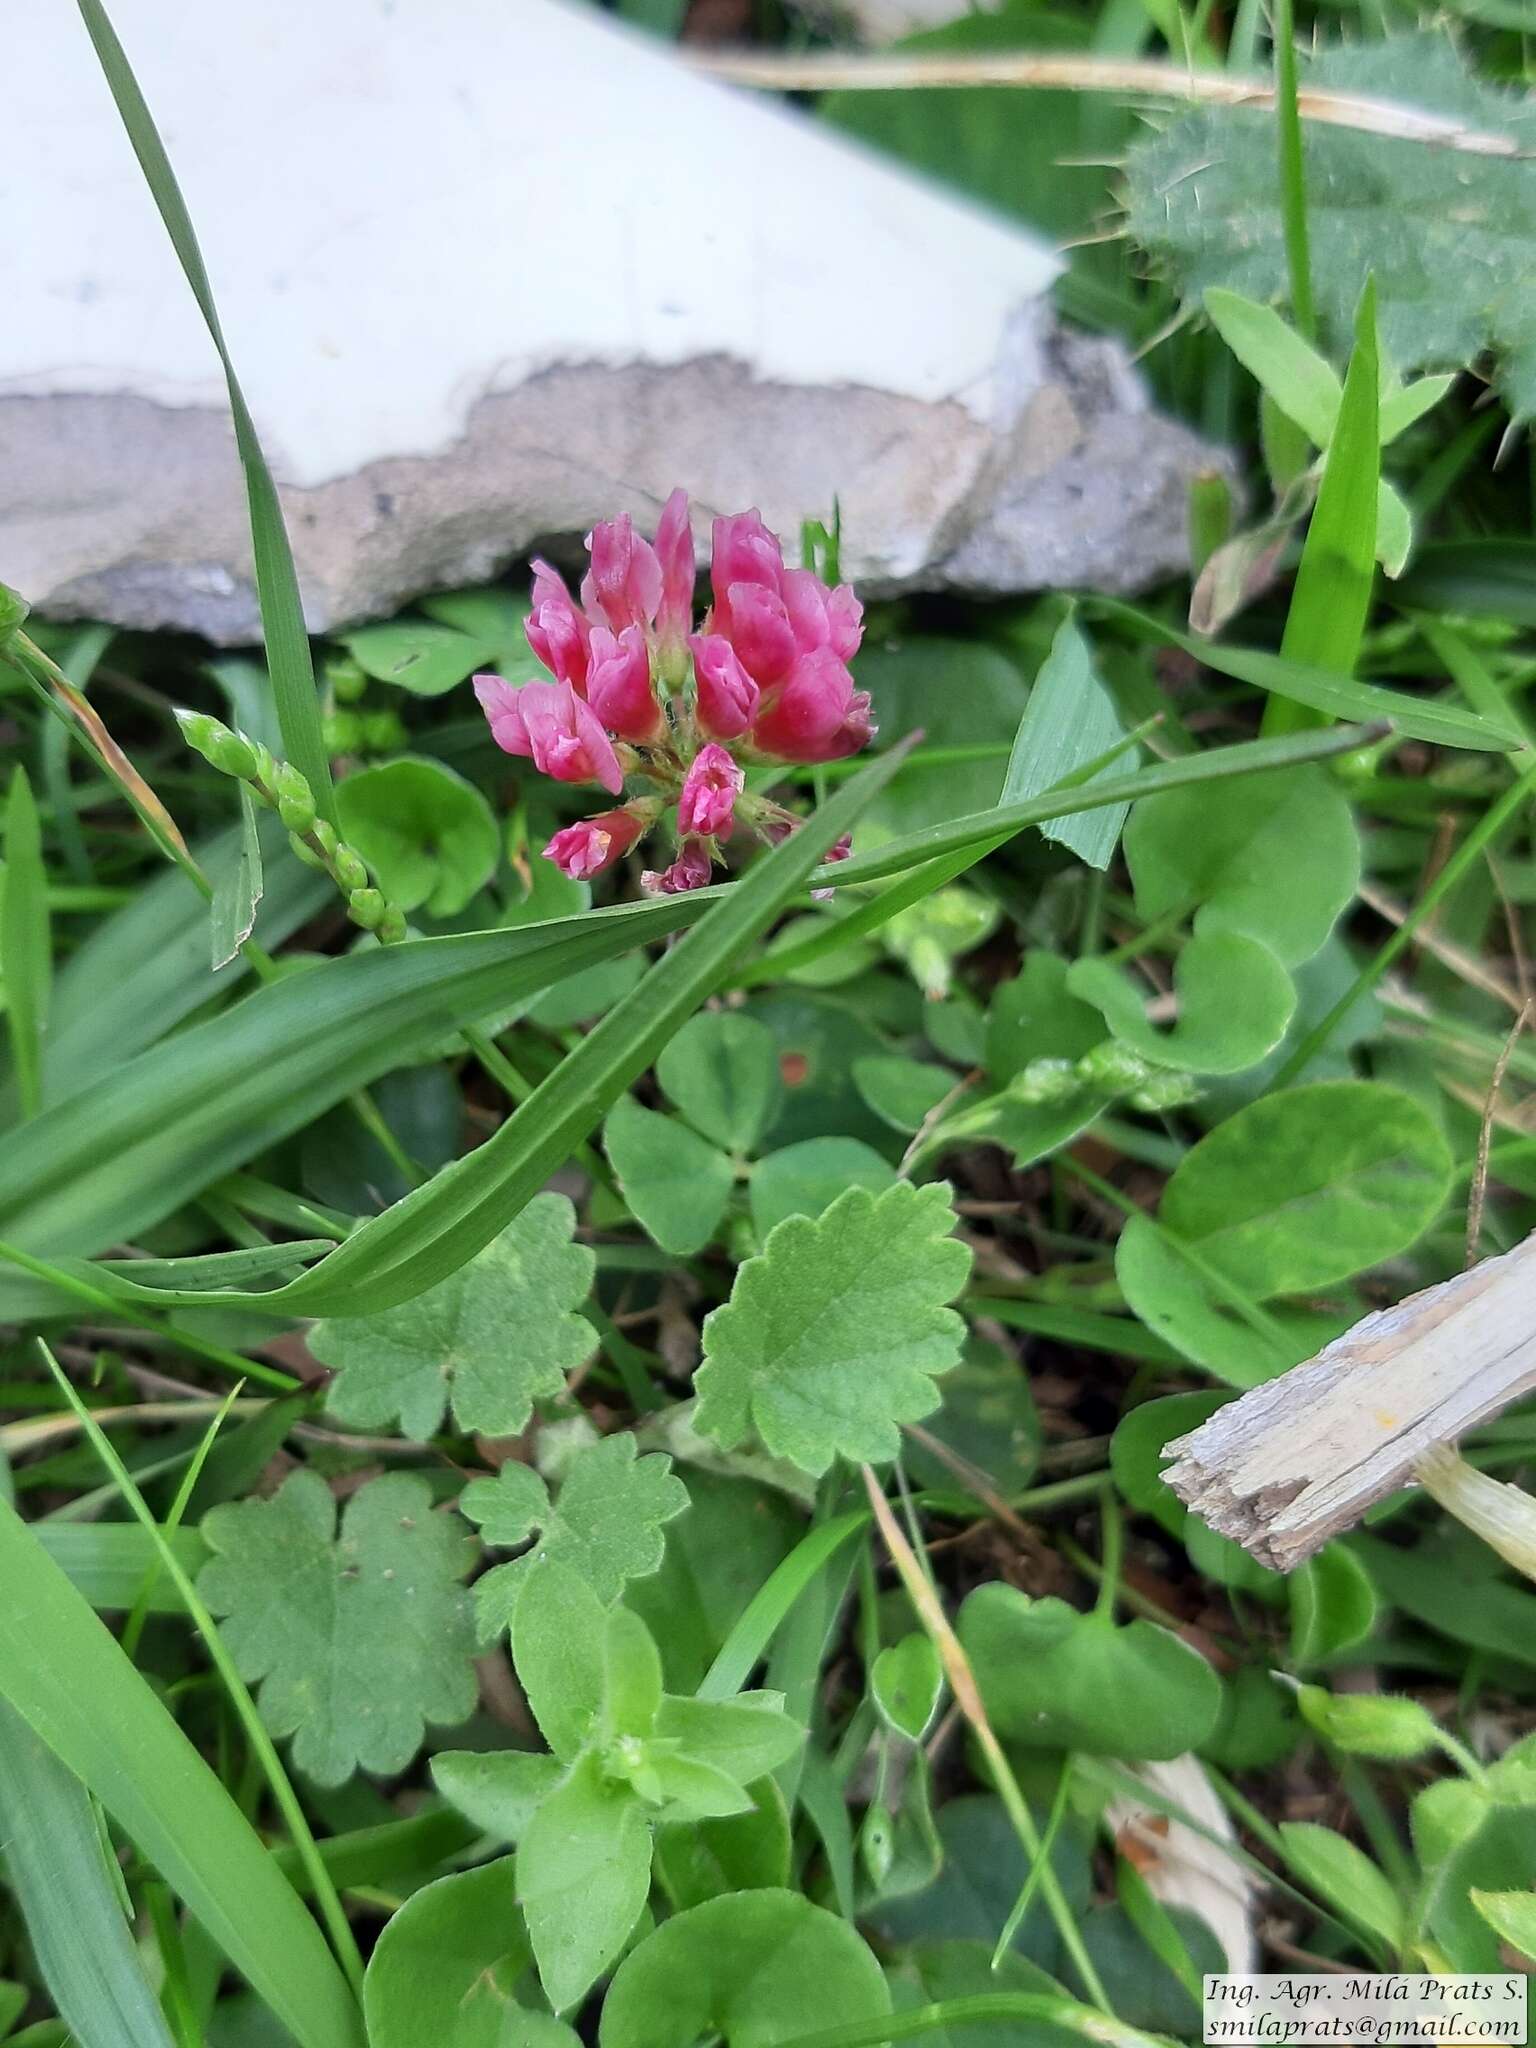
360 1637
498 1335
835 1334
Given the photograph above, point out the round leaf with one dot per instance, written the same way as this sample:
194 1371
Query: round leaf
1052 1678
1235 1000
900 1091
1333 1605
722 1071
806 1179
446 1968
676 1184
757 1968
1275 857
1304 1188
428 835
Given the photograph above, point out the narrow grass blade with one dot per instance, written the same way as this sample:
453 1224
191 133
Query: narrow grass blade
56 1862
25 942
69 1680
436 1228
760 1618
1338 696
1331 597
277 583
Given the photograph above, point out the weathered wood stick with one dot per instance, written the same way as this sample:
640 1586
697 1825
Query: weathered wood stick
1302 1457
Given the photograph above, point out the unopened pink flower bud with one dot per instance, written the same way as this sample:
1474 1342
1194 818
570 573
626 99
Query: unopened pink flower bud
742 551
624 583
557 631
594 844
838 852
845 616
565 737
674 552
500 702
798 721
689 871
710 789
727 695
619 684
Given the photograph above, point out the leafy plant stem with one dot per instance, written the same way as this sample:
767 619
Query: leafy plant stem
962 1683
319 1879
1482 834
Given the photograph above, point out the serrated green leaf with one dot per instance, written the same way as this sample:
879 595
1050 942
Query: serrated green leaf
583 1877
359 1638
677 1184
722 1072
606 1525
1234 1003
498 1335
429 836
834 1335
1447 234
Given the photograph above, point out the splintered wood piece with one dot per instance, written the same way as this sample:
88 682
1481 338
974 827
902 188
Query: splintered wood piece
1301 1458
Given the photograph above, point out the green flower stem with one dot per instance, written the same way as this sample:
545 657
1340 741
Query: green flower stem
1113 1528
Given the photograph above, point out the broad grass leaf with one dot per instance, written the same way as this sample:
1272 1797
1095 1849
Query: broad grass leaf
446 1966
70 1681
1487 1613
834 1335
56 1867
806 1179
754 1968
1234 1003
1053 1678
1345 1879
1069 721
1305 1188
499 1334
360 1637
1446 234
677 1184
1277 859
429 836
722 1072
606 1524
26 953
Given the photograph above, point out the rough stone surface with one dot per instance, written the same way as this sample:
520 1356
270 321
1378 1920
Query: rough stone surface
519 322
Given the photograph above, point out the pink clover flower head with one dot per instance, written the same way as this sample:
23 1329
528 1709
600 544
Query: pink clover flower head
707 805
821 617
689 871
565 737
761 633
586 849
674 554
727 695
624 582
619 685
743 551
558 632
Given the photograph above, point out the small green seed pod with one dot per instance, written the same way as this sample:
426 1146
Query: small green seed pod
1114 1066
326 837
391 926
343 732
295 799
221 747
367 908
306 853
346 678
348 868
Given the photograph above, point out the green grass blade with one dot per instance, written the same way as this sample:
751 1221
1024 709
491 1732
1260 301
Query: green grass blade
1337 696
25 944
108 1561
436 1228
277 583
100 1168
56 1862
1331 597
69 1680
760 1618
